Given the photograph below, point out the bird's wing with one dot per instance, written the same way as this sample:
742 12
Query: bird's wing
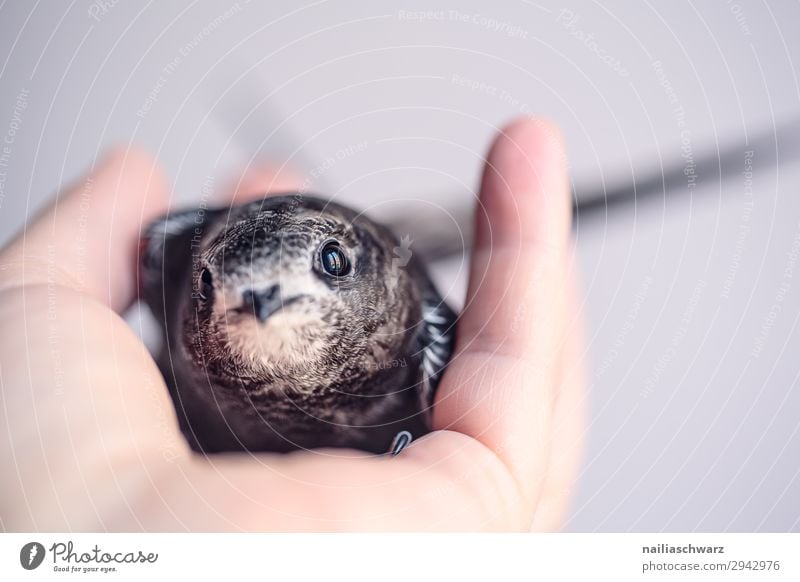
435 345
165 249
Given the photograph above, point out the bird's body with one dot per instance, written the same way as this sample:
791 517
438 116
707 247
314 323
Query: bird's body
291 322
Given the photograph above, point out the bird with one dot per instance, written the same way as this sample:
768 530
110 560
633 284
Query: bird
291 323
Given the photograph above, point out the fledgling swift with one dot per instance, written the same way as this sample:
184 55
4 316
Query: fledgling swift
293 323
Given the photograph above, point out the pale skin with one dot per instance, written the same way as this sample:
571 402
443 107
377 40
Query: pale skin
89 434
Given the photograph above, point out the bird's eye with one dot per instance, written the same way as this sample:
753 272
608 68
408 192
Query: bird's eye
334 261
206 288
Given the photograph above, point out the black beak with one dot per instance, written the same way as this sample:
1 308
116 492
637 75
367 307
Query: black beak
264 303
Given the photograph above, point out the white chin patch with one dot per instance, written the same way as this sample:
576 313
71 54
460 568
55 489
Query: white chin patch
285 338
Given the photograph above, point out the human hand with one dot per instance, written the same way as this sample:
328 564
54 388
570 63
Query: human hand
92 442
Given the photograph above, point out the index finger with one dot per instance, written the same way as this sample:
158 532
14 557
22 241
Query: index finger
500 383
87 238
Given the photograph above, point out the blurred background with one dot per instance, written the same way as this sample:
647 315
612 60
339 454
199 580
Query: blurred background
682 123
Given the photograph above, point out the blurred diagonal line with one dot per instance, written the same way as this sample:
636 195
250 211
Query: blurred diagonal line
775 146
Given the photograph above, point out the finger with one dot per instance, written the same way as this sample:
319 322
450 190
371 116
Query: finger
568 429
499 387
88 415
522 230
263 179
87 238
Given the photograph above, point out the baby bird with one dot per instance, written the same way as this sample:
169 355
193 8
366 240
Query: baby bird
293 323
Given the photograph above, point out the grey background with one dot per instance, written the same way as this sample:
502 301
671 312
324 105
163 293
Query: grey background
691 294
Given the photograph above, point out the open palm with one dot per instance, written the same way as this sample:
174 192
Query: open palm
91 441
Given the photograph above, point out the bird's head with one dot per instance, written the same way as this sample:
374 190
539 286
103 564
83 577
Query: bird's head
295 287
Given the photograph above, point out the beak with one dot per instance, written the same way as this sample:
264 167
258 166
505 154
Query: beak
264 303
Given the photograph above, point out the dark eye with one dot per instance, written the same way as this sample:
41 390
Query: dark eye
206 288
334 261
